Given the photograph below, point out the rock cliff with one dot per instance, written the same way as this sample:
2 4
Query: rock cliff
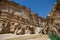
19 19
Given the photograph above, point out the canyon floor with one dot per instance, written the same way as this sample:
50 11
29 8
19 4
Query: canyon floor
24 37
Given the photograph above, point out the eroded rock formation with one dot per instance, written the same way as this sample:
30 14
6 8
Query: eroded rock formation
54 19
19 20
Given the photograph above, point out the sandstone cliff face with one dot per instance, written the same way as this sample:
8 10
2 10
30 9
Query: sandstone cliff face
19 20
54 19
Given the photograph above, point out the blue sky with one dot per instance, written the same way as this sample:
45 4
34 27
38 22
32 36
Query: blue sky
42 7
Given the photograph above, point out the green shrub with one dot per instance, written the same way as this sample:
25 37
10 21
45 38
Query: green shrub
54 37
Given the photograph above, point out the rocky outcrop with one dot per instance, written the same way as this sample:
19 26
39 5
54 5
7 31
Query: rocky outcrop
54 19
19 20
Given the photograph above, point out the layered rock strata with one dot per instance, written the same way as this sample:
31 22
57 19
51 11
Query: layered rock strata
19 19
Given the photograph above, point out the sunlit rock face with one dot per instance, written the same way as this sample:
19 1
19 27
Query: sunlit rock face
19 20
1 25
54 19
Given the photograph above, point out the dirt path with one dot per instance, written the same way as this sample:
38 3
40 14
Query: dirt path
8 36
31 37
23 37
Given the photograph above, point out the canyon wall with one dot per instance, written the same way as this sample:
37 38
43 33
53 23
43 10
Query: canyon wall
20 20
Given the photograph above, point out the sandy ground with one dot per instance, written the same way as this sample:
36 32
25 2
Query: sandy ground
23 37
8 36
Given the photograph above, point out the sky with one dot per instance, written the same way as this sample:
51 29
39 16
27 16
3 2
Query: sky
41 7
